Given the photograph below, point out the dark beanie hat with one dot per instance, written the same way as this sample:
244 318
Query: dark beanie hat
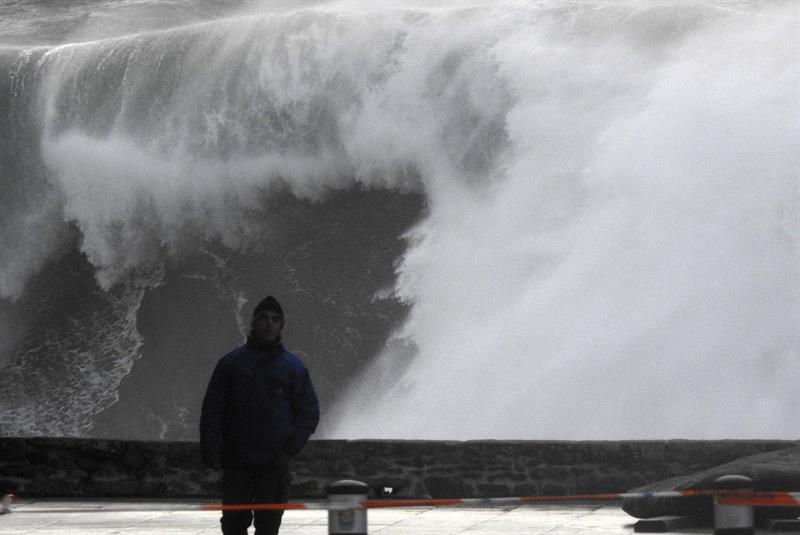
268 303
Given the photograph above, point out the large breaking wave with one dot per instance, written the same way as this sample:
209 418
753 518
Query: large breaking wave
604 206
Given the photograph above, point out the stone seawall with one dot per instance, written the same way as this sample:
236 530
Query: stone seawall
68 467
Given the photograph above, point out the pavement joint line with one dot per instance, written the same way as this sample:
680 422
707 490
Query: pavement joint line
396 522
587 512
552 519
500 512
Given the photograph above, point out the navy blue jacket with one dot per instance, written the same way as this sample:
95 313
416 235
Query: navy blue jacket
258 405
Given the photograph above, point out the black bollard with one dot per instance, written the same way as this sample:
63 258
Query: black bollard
347 521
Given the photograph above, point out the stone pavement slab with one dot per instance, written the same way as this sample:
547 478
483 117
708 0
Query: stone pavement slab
86 517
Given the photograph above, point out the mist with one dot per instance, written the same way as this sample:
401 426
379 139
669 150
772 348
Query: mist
507 220
634 270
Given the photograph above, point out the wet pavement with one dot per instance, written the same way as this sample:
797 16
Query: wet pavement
159 517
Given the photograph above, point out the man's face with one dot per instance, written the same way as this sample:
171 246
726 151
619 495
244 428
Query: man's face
266 327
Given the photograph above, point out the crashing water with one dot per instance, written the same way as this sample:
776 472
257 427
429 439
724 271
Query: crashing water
507 220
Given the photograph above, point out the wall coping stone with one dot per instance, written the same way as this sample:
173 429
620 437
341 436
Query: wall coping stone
87 467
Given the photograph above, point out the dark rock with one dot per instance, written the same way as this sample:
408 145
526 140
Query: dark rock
613 481
772 471
85 467
12 450
305 488
111 487
342 467
133 458
69 482
492 490
556 488
526 489
448 487
18 470
375 463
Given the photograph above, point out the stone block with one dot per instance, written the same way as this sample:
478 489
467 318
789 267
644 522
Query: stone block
12 449
133 458
108 469
85 462
556 488
69 482
307 489
549 471
449 487
492 490
375 463
19 469
444 470
111 487
59 466
525 489
475 475
340 467
54 458
327 450
309 467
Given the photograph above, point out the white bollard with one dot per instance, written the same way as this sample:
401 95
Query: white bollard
347 521
733 519
5 503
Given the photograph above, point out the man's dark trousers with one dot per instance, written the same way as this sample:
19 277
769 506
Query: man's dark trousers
254 484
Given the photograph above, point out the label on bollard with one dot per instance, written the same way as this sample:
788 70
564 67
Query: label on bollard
733 520
347 521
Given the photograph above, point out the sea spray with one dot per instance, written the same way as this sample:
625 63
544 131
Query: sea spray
635 272
606 236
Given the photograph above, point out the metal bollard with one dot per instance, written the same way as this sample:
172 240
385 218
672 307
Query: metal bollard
733 519
347 521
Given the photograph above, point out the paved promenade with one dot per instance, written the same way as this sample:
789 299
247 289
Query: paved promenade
105 518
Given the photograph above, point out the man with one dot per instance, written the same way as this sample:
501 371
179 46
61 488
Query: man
258 411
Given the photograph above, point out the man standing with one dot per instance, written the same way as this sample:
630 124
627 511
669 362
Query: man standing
258 411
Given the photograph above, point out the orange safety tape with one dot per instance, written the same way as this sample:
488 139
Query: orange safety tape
724 497
743 497
763 499
255 507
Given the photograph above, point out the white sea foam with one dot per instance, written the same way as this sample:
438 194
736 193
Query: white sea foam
611 243
635 273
